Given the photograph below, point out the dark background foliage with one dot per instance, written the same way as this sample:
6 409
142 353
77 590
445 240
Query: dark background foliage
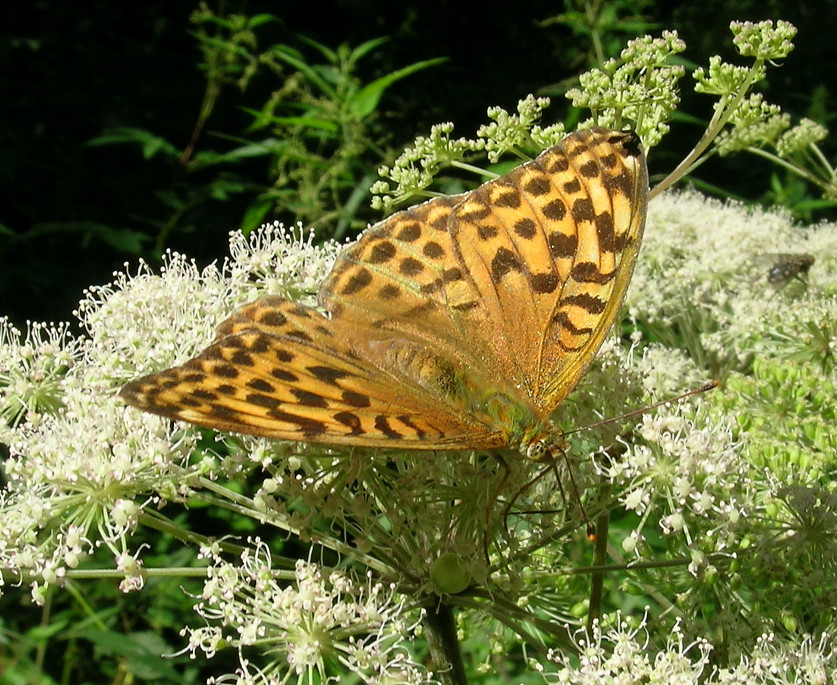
71 213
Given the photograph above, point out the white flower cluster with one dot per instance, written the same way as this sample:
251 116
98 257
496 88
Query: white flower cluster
689 471
704 271
84 471
619 653
78 463
82 468
300 621
706 292
279 261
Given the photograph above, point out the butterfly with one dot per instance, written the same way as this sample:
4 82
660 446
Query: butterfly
459 323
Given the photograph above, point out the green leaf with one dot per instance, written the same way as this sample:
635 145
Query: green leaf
365 48
310 72
44 632
367 98
123 239
259 19
142 652
151 144
254 216
814 204
327 52
262 148
350 208
308 122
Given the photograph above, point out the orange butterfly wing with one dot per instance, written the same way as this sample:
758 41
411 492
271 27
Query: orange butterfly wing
282 370
521 278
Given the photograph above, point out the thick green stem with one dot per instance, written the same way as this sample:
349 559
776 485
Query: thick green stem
440 627
599 559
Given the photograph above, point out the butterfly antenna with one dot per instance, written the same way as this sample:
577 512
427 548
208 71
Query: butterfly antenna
711 385
591 529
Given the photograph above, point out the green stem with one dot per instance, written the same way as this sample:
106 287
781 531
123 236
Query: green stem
593 11
158 522
166 572
41 642
823 162
719 120
475 169
520 621
799 171
558 533
647 587
445 652
599 559
245 506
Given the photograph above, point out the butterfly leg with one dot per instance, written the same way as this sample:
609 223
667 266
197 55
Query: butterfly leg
555 453
507 510
492 502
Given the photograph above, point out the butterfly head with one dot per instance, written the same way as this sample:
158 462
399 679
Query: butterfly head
542 442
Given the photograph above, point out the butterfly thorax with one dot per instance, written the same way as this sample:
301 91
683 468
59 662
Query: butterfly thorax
508 410
504 411
540 440
519 423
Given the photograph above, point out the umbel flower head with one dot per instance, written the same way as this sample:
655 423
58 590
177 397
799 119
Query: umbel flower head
301 621
81 469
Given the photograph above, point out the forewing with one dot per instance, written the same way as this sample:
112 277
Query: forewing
519 279
549 250
282 370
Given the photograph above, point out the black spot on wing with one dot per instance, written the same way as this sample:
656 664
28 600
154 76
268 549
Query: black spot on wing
504 262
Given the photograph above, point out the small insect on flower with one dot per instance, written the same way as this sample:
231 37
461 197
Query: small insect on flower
787 267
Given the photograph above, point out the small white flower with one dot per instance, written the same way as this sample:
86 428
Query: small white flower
630 543
673 523
636 500
698 562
